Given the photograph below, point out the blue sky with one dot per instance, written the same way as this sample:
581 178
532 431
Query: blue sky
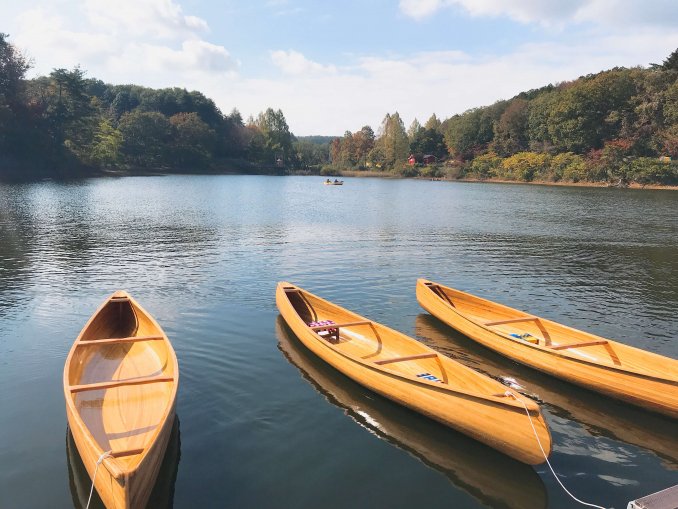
333 66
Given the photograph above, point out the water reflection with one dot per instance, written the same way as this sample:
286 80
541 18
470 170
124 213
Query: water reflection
490 477
599 415
162 496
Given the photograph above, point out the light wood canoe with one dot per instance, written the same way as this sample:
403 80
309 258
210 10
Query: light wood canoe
599 415
471 466
630 374
120 383
408 372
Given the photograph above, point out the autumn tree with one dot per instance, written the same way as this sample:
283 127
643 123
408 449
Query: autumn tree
393 140
363 141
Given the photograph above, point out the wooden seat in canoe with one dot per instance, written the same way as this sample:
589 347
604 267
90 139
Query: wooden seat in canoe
511 320
579 345
119 383
407 358
339 325
131 339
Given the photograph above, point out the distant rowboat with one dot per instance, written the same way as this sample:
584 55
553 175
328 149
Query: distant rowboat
408 372
120 383
335 183
630 374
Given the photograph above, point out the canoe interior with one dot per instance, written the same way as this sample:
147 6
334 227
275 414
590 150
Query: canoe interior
378 344
123 418
554 337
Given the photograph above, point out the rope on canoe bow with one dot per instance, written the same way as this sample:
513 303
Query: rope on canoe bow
103 456
512 395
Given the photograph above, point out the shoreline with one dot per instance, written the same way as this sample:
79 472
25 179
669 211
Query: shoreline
138 172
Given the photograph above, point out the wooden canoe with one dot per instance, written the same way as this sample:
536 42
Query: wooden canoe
599 415
408 372
471 466
120 383
630 374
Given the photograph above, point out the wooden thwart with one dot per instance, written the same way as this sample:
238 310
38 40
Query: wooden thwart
130 339
407 358
119 383
512 320
577 345
338 325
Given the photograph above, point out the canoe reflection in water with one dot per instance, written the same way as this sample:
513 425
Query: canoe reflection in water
162 496
487 475
599 415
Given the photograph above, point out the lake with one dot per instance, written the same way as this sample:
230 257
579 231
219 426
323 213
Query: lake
261 422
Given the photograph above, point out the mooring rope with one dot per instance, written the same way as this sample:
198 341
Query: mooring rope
512 395
103 456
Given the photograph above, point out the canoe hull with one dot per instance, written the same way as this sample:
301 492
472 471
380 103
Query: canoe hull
478 418
646 392
133 490
130 418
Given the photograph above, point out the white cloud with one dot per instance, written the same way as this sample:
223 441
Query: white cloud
293 62
557 12
120 41
155 18
419 9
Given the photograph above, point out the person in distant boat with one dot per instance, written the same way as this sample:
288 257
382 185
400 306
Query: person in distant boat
328 181
336 181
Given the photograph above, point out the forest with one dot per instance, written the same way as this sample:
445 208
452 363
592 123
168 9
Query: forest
618 126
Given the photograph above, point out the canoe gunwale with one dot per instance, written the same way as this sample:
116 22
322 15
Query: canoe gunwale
112 464
544 349
500 400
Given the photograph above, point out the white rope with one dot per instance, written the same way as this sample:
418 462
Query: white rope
512 395
103 456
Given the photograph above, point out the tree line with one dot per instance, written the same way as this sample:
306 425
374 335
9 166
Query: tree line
68 123
619 125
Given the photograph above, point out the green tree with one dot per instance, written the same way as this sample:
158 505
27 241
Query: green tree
13 120
592 110
434 123
510 131
567 166
415 128
193 140
428 141
524 166
106 148
671 62
485 166
146 137
277 139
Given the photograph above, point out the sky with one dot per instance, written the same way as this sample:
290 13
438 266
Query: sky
336 65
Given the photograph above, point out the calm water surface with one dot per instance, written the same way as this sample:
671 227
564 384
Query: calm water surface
261 423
